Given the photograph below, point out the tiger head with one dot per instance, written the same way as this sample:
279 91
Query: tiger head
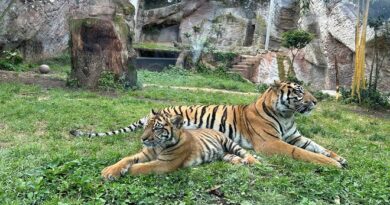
162 130
291 98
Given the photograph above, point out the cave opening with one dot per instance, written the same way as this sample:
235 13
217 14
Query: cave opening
250 32
165 32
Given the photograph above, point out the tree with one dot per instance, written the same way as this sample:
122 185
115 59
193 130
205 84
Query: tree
295 40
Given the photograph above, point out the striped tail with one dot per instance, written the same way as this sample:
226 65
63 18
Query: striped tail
130 128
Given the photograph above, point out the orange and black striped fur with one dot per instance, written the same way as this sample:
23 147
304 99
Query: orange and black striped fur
168 147
267 125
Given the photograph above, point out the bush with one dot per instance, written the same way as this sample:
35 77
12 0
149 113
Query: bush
294 79
320 96
261 88
13 57
11 61
221 71
108 80
227 58
5 65
369 98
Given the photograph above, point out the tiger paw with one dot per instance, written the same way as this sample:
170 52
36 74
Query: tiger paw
343 162
113 172
249 159
236 160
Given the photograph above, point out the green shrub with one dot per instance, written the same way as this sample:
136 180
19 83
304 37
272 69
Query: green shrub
261 88
108 80
294 79
13 57
320 96
5 65
369 98
11 61
221 71
71 82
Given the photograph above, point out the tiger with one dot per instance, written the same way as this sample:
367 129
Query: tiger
267 125
168 147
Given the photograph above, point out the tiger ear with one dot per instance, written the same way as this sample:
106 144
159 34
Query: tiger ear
276 85
177 121
153 112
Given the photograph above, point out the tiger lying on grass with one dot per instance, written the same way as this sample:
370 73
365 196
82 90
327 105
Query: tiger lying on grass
267 125
167 147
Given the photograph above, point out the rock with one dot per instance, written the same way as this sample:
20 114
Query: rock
227 25
98 45
44 69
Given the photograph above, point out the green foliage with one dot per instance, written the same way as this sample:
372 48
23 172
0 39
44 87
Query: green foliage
155 46
296 39
12 61
71 82
221 71
369 98
13 57
226 58
294 79
320 96
5 65
262 87
281 69
109 81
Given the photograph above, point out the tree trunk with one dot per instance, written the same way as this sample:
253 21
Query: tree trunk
291 71
99 45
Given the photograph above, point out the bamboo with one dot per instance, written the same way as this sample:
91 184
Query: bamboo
357 29
358 82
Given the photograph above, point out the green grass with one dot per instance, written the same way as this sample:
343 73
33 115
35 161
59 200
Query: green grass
177 77
41 164
155 46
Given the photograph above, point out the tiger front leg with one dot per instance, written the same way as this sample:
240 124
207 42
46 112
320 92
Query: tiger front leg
236 150
310 145
155 166
114 171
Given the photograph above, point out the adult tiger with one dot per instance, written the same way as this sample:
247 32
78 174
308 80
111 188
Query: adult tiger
267 125
167 147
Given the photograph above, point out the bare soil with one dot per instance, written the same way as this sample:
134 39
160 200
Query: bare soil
32 78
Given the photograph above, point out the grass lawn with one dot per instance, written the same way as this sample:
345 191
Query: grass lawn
180 77
41 164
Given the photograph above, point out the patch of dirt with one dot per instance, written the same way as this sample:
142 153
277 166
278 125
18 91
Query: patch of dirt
4 145
44 80
32 78
381 114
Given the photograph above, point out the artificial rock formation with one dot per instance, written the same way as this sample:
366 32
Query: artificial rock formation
102 43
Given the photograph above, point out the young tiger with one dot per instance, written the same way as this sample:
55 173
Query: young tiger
167 147
266 125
